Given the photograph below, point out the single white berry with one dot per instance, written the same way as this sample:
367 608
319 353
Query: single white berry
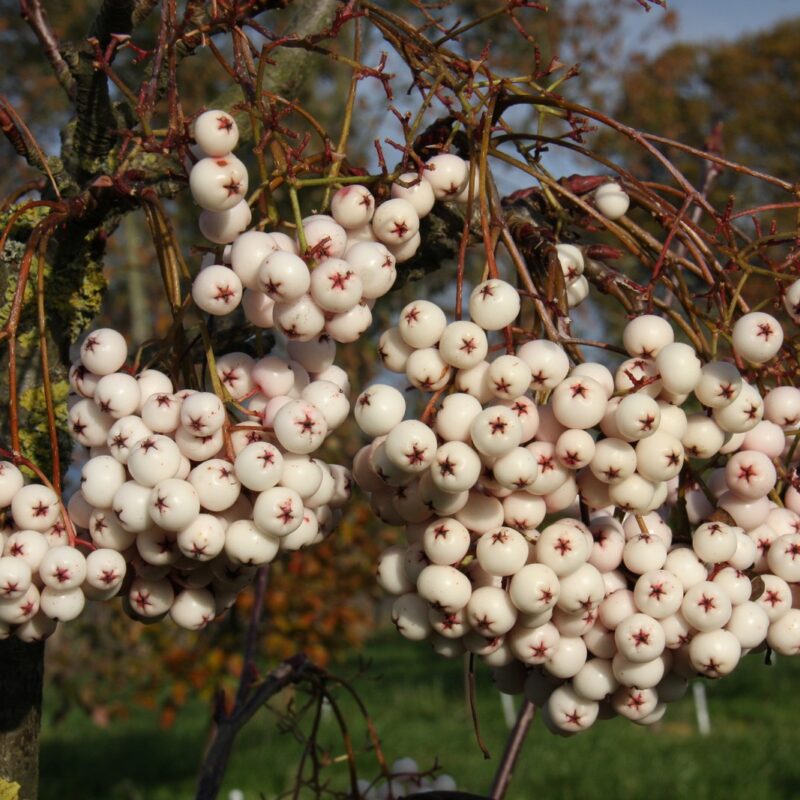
222 227
104 351
447 174
217 290
216 133
494 304
611 200
353 206
218 183
757 337
417 190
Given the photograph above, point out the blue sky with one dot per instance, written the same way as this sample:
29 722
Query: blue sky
706 20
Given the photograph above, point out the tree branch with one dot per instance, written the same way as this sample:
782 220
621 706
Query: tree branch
291 65
34 14
227 726
513 748
96 118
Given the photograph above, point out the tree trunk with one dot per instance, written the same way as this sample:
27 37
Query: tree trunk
21 674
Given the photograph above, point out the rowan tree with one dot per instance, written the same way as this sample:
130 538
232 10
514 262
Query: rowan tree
506 240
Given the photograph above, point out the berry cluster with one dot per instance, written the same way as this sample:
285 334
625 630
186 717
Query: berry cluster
179 503
405 780
535 507
353 252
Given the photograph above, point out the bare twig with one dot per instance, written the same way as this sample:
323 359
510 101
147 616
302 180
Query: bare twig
505 769
33 12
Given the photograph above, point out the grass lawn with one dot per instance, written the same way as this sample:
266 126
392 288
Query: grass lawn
417 703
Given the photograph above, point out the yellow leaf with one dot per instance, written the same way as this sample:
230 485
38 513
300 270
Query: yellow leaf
9 791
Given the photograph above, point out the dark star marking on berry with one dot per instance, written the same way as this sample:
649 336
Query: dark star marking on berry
657 591
440 532
575 718
40 509
792 550
725 390
746 473
307 424
502 386
571 457
484 622
635 701
224 293
497 425
773 597
412 315
765 331
340 280
712 667
546 463
449 622
399 228
148 444
640 637
646 422
91 343
108 576
266 458
286 514
499 537
578 390
233 187
416 455
707 603
539 650
272 287
61 574
563 546
447 468
539 377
